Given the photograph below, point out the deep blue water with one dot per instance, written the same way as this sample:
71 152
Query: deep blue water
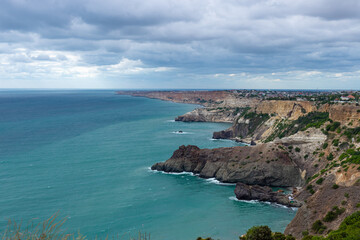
86 154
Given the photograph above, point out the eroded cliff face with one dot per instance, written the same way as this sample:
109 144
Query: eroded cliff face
209 115
321 203
345 114
286 109
265 164
335 182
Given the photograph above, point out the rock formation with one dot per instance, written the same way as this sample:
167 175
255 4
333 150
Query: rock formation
263 164
311 145
263 193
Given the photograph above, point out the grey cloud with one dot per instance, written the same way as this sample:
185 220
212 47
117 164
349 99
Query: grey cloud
200 37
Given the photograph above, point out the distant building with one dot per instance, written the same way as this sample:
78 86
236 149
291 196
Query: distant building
351 97
344 98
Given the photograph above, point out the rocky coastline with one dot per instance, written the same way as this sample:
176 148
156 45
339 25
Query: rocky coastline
311 146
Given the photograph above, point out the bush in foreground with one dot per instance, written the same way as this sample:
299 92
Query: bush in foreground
264 233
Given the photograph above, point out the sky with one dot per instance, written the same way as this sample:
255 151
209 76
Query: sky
187 44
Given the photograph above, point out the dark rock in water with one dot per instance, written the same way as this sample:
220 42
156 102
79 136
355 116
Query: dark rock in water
180 131
251 165
263 193
224 134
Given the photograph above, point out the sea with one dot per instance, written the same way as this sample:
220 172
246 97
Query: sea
86 156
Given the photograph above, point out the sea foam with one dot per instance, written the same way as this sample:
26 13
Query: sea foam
233 198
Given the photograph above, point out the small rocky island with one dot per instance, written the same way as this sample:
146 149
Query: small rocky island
305 140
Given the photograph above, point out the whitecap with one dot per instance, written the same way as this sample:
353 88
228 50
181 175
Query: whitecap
178 132
245 201
173 173
221 140
172 120
215 181
233 198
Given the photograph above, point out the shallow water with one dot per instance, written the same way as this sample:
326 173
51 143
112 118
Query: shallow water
87 155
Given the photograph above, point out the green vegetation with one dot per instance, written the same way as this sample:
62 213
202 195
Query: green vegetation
332 126
256 120
335 186
333 214
318 227
258 233
335 142
297 149
349 230
320 181
325 145
330 157
264 233
351 156
310 189
351 132
244 111
287 128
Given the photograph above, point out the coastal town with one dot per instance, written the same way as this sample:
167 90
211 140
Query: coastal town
301 95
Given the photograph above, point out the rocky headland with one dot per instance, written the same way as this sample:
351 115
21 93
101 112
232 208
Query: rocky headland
313 146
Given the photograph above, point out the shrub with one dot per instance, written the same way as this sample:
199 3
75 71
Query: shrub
289 237
320 181
279 236
325 145
333 126
305 233
259 233
335 142
333 214
343 155
330 157
335 186
310 189
349 228
297 149
318 227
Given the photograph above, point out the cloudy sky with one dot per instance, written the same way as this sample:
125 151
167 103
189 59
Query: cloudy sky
305 44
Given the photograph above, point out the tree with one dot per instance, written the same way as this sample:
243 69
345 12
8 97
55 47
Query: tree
259 233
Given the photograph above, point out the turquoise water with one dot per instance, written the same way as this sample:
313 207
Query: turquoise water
86 154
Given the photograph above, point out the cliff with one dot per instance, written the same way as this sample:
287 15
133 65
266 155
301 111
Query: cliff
311 145
206 98
209 115
265 165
